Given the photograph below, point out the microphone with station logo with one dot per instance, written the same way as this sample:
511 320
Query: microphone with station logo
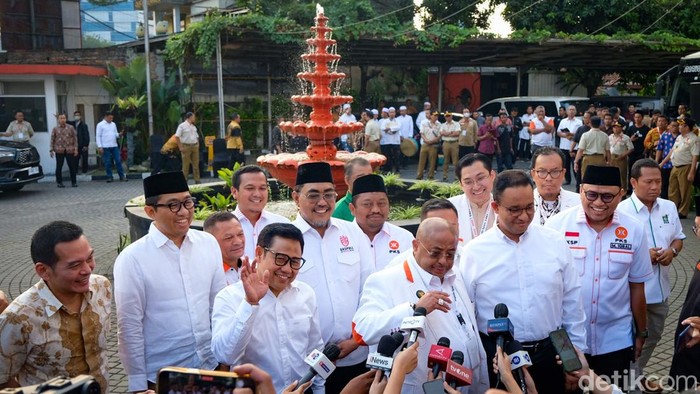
519 358
457 375
500 327
439 355
320 364
383 358
414 325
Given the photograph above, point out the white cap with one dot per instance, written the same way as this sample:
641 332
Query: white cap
402 108
375 112
346 106
392 109
426 104
385 109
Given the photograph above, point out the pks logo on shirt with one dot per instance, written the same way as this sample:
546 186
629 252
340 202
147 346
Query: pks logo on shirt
344 240
394 246
621 232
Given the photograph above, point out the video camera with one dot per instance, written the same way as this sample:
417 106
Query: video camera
176 378
81 384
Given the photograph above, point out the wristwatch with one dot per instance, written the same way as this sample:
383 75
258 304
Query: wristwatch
643 334
675 252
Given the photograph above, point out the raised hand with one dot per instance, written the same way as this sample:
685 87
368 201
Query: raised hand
255 285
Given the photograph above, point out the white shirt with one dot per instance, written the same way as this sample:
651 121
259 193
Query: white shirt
106 134
389 242
542 292
420 118
662 226
543 138
385 303
468 228
406 124
346 118
275 335
164 297
525 131
572 125
187 133
566 200
388 138
251 232
231 275
607 263
336 268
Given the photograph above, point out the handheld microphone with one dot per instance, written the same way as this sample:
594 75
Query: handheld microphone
439 355
414 325
383 358
519 358
321 363
457 375
500 327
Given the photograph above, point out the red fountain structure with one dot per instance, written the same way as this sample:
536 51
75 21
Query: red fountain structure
320 129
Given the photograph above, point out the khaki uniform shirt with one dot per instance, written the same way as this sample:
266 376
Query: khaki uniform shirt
684 149
468 135
594 142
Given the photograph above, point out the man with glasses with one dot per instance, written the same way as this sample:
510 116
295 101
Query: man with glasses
665 237
164 287
268 318
611 253
370 206
476 179
543 291
426 279
548 173
336 267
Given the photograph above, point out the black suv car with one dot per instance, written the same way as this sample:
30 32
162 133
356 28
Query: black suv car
19 165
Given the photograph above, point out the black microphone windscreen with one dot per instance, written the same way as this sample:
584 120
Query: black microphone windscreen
420 311
331 351
500 311
387 345
444 341
513 346
457 357
398 338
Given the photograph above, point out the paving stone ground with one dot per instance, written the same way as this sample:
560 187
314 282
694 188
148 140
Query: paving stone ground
98 207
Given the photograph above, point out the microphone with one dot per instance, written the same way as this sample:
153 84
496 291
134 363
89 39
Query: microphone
383 358
439 355
321 363
414 325
457 375
500 327
519 358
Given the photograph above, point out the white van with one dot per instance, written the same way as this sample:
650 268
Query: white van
551 104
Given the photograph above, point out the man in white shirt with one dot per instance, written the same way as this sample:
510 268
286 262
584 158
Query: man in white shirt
250 190
391 140
188 142
370 205
227 230
548 173
541 130
474 206
524 134
346 117
106 135
427 280
268 318
543 291
423 115
665 239
164 287
406 125
566 131
610 249
336 267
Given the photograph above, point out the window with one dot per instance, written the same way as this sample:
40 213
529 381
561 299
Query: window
27 96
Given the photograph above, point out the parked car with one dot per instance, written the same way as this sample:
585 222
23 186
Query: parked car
551 104
19 165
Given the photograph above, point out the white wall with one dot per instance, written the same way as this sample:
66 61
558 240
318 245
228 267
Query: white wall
544 83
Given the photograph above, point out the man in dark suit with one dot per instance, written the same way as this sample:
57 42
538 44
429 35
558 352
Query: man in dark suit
83 140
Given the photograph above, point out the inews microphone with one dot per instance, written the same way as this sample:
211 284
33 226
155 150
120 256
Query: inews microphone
519 358
321 363
414 325
457 375
439 355
500 327
383 358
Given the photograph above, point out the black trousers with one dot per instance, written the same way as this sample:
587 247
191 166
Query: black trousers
465 150
614 365
567 165
547 375
72 161
83 159
342 375
237 156
392 157
665 176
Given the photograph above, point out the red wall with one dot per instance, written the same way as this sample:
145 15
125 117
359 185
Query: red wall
454 84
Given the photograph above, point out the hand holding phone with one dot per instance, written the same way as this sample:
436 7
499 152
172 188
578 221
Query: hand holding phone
565 349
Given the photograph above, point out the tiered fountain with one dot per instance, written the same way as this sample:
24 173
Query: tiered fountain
321 130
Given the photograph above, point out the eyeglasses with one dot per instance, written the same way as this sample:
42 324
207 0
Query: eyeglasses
606 197
530 209
282 259
542 174
479 179
449 254
316 197
175 206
